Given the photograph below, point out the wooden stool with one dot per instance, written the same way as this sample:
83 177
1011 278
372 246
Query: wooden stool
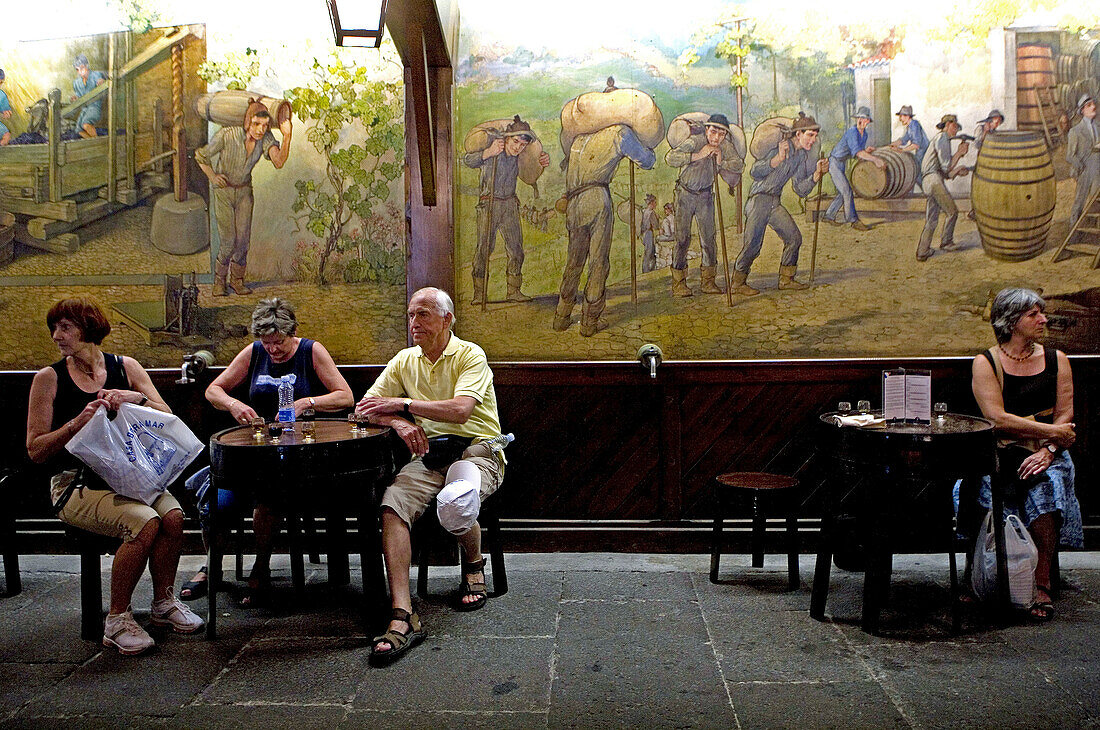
759 484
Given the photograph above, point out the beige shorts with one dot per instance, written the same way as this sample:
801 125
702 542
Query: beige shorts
105 513
416 485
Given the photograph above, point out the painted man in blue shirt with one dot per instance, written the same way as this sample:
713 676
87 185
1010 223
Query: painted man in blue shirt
854 143
789 160
5 113
85 81
914 139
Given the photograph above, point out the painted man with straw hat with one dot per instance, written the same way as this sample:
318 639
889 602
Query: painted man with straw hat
699 157
649 226
1083 155
499 165
790 160
228 160
854 143
940 165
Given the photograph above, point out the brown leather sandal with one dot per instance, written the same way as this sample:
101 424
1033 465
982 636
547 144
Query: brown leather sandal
400 642
479 589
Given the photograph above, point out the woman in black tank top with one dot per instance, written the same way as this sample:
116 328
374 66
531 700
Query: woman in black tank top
1027 391
63 398
276 354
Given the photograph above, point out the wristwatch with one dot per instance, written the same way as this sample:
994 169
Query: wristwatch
312 403
144 400
408 408
1051 448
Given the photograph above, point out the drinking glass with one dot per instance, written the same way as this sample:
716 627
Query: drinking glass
275 431
353 421
309 430
258 427
864 406
844 407
940 409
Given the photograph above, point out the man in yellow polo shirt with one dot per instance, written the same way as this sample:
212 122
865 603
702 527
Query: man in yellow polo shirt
438 396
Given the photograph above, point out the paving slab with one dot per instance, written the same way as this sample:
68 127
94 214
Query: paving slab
174 672
818 705
529 609
300 670
424 720
618 586
19 683
951 685
462 674
247 715
635 663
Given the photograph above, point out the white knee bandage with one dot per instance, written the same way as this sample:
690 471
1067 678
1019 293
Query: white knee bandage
459 502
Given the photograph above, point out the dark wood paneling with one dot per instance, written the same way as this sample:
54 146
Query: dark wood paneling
607 458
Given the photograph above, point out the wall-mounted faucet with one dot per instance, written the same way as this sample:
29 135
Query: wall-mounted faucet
650 356
193 365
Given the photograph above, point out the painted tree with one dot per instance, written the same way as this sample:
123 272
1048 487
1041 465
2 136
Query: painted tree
346 102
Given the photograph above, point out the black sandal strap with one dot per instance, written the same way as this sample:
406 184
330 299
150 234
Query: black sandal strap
476 567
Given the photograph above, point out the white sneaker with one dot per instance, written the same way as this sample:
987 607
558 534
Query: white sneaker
122 632
173 612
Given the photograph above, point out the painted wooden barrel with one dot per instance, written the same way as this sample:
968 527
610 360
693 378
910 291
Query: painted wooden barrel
893 181
1013 194
228 108
483 134
1034 76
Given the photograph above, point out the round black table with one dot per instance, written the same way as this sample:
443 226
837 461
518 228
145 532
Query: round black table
880 472
339 469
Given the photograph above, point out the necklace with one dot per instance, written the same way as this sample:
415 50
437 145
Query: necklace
1021 358
90 372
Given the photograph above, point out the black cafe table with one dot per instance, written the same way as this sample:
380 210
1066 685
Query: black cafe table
881 476
339 469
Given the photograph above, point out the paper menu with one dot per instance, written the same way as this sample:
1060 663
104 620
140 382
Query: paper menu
907 395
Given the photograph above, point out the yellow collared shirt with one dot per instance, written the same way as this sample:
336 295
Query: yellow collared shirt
462 369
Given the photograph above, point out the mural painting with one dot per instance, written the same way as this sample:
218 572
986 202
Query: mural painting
179 174
746 180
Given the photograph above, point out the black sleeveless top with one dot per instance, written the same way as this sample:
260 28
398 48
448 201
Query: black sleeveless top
1026 395
264 376
70 400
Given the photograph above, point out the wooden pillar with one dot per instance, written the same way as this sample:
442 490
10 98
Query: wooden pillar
112 124
431 238
130 91
53 129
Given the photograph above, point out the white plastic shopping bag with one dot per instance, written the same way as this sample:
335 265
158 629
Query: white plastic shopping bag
139 453
1022 556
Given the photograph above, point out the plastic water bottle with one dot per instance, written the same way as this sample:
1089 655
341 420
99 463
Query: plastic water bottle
498 442
286 401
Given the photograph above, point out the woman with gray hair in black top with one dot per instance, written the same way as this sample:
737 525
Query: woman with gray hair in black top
1026 389
278 354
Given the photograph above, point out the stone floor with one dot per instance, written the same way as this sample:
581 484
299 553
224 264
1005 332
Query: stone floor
594 640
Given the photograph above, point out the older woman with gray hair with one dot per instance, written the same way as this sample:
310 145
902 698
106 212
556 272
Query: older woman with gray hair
277 355
1026 389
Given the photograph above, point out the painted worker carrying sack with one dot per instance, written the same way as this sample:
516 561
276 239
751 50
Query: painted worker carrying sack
139 452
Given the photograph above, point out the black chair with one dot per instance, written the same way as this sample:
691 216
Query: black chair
13 585
429 538
91 548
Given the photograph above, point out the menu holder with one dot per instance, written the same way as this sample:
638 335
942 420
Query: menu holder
907 396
